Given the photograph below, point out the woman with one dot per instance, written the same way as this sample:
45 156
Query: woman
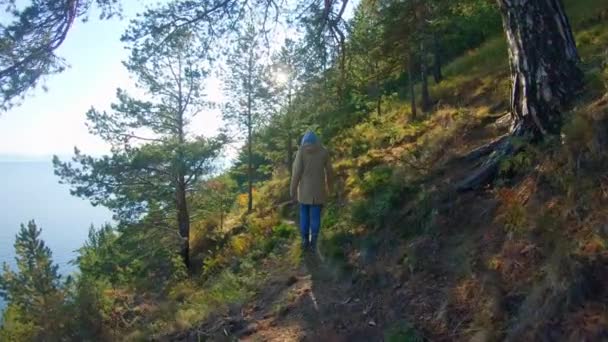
311 179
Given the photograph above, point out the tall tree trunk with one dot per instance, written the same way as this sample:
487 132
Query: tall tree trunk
183 219
378 90
250 134
545 77
181 203
437 74
289 133
411 72
290 152
249 159
544 63
222 213
342 80
426 98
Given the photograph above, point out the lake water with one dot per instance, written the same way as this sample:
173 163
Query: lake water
30 190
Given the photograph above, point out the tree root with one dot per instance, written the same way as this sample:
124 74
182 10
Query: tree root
497 150
484 150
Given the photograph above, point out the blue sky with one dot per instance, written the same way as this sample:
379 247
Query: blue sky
53 122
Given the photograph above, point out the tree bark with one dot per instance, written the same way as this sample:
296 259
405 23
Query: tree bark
437 74
250 135
183 219
289 133
426 98
544 63
377 86
545 76
249 162
222 213
289 152
181 203
411 73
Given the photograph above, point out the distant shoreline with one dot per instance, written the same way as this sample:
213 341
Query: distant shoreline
7 158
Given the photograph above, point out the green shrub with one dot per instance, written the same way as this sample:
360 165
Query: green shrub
402 332
372 212
525 159
89 308
384 194
278 236
376 179
228 288
16 326
332 216
212 264
283 231
517 164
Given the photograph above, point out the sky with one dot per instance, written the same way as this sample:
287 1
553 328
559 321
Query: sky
53 122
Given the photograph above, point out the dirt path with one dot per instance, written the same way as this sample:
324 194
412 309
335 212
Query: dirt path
312 304
318 300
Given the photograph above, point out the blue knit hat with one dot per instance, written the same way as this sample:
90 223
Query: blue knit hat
309 138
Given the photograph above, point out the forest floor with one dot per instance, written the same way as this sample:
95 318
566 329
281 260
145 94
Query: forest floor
379 294
305 302
472 278
384 295
521 260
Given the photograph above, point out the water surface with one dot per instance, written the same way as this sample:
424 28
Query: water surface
30 190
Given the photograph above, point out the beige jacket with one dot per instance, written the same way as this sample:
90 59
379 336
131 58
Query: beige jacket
312 175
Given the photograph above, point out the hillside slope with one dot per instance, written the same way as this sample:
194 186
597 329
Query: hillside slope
405 257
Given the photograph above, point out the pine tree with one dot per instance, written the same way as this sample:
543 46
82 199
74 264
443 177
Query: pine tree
216 199
155 160
247 92
286 80
545 77
33 291
29 40
544 63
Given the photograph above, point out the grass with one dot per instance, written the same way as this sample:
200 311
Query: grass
492 56
240 270
592 41
581 11
191 303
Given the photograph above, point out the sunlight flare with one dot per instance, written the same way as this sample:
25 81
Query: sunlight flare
281 77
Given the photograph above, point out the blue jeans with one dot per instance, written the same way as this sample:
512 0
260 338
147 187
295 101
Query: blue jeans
310 219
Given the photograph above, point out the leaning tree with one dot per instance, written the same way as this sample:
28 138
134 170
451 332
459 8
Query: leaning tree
30 36
545 77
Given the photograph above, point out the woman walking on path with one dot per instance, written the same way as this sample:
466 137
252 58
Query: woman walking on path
311 179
